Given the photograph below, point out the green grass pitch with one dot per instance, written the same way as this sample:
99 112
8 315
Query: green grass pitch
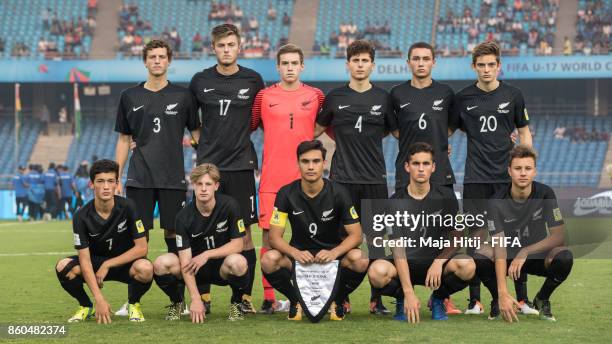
31 294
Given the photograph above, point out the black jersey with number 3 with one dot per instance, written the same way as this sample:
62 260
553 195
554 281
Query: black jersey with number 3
226 102
488 119
360 121
157 121
202 233
317 222
424 115
528 220
109 237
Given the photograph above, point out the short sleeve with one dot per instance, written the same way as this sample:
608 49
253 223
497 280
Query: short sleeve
390 116
182 234
521 118
494 219
349 213
326 115
121 123
192 120
552 212
135 225
236 223
259 84
281 209
453 113
79 231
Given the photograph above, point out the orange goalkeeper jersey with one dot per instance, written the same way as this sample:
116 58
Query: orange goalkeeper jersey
287 118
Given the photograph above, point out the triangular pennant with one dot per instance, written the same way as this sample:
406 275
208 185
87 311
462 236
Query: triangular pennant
316 286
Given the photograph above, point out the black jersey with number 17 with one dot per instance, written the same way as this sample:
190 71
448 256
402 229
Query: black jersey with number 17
424 115
157 121
226 102
360 121
488 119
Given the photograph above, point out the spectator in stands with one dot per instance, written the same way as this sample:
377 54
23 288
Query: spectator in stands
45 16
237 13
196 44
42 45
286 19
271 12
253 24
20 50
45 118
92 7
559 133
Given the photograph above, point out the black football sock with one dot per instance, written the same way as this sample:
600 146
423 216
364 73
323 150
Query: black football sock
281 281
451 284
559 269
137 289
374 294
74 288
169 285
393 289
251 258
485 272
520 287
349 281
238 285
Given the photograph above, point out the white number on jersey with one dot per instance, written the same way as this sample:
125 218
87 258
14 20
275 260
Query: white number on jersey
157 123
358 124
223 106
488 124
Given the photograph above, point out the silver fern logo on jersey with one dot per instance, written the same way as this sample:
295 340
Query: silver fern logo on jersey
501 108
170 109
242 94
436 105
374 111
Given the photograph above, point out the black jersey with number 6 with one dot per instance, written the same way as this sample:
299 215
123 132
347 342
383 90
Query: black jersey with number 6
157 121
202 233
360 121
109 237
316 223
528 220
226 102
424 115
488 119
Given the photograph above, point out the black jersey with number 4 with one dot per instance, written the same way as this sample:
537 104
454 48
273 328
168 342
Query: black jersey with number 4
528 220
424 115
439 203
202 233
317 223
109 237
360 122
488 119
226 102
157 121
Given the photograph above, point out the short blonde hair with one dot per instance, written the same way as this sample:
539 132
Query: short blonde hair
204 169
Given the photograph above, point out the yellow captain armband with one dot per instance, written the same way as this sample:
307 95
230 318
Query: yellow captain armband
241 228
140 227
353 212
278 218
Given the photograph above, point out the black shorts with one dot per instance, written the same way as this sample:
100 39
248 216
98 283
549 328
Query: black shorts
241 186
418 269
475 196
365 191
170 201
210 273
20 204
119 273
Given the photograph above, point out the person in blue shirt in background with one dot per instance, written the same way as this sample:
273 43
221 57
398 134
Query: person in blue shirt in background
67 188
50 180
36 192
81 179
21 192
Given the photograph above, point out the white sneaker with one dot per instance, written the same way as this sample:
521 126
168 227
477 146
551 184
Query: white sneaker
282 306
527 309
123 311
185 310
476 308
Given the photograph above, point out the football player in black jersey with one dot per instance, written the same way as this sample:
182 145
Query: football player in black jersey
225 93
209 237
318 210
440 269
360 116
524 216
489 111
111 243
153 116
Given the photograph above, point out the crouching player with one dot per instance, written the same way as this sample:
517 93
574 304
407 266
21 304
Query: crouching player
440 269
209 239
317 209
526 211
111 243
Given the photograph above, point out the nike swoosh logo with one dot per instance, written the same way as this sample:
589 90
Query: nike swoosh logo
121 230
206 90
94 235
271 105
137 108
404 105
471 107
297 212
196 235
342 106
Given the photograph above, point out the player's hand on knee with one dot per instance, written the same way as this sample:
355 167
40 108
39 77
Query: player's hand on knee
412 306
197 311
101 275
103 311
304 257
514 270
196 263
434 275
508 307
324 256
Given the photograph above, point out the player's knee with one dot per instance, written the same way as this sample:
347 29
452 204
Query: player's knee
67 269
466 267
270 261
164 263
378 274
237 264
561 265
143 270
356 261
61 264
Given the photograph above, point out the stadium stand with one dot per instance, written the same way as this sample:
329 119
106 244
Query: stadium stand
593 27
522 27
98 138
46 29
143 19
29 132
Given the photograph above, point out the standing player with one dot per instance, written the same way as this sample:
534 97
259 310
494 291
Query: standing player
225 94
360 115
317 209
489 111
50 181
67 189
440 269
21 193
209 236
287 113
154 114
528 211
111 242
